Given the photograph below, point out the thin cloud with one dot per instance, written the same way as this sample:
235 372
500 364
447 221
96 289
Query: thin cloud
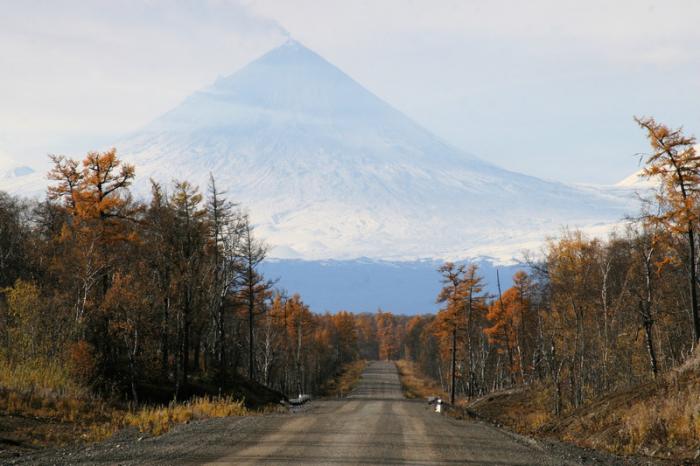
485 75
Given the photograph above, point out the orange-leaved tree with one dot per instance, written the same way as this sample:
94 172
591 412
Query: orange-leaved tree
505 316
387 335
675 163
97 234
448 318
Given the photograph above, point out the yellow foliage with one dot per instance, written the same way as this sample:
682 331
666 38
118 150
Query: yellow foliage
25 313
37 376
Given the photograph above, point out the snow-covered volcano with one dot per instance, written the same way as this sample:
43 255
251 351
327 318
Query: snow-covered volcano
329 170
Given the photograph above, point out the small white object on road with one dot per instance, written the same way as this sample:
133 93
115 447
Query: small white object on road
301 400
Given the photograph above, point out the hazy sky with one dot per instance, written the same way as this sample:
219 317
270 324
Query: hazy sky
545 87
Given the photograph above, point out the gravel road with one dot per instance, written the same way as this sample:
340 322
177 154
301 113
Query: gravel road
373 425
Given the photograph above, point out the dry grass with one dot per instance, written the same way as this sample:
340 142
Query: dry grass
345 381
65 420
525 410
38 377
158 420
665 423
415 384
40 405
67 409
660 418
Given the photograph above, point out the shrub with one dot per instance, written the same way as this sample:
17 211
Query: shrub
82 362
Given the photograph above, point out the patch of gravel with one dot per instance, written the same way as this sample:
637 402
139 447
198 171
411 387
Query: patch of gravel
198 439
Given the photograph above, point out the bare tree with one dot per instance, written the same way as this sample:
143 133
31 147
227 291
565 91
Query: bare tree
253 286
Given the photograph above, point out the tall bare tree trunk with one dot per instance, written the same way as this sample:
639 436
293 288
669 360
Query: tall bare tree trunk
693 283
453 365
164 344
251 309
647 312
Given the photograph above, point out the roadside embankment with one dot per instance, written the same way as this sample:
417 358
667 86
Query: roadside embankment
344 380
659 420
415 384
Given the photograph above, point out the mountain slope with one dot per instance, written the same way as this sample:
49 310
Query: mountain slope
637 181
329 170
20 179
10 168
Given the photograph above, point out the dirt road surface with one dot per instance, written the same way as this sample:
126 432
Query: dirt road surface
376 425
373 425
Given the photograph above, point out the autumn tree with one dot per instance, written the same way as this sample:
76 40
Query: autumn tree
675 163
474 304
160 258
131 323
645 254
366 328
386 335
301 327
14 239
95 194
25 324
226 232
253 286
505 315
451 296
96 235
189 238
345 337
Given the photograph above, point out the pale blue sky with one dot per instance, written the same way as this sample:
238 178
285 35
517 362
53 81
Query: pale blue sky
545 87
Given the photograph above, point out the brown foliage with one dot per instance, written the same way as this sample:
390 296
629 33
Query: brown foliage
82 362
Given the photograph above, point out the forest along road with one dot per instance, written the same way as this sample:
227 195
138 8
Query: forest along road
375 424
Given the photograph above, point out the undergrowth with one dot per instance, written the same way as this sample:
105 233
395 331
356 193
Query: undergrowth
157 420
415 384
346 379
660 418
63 411
38 376
667 422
